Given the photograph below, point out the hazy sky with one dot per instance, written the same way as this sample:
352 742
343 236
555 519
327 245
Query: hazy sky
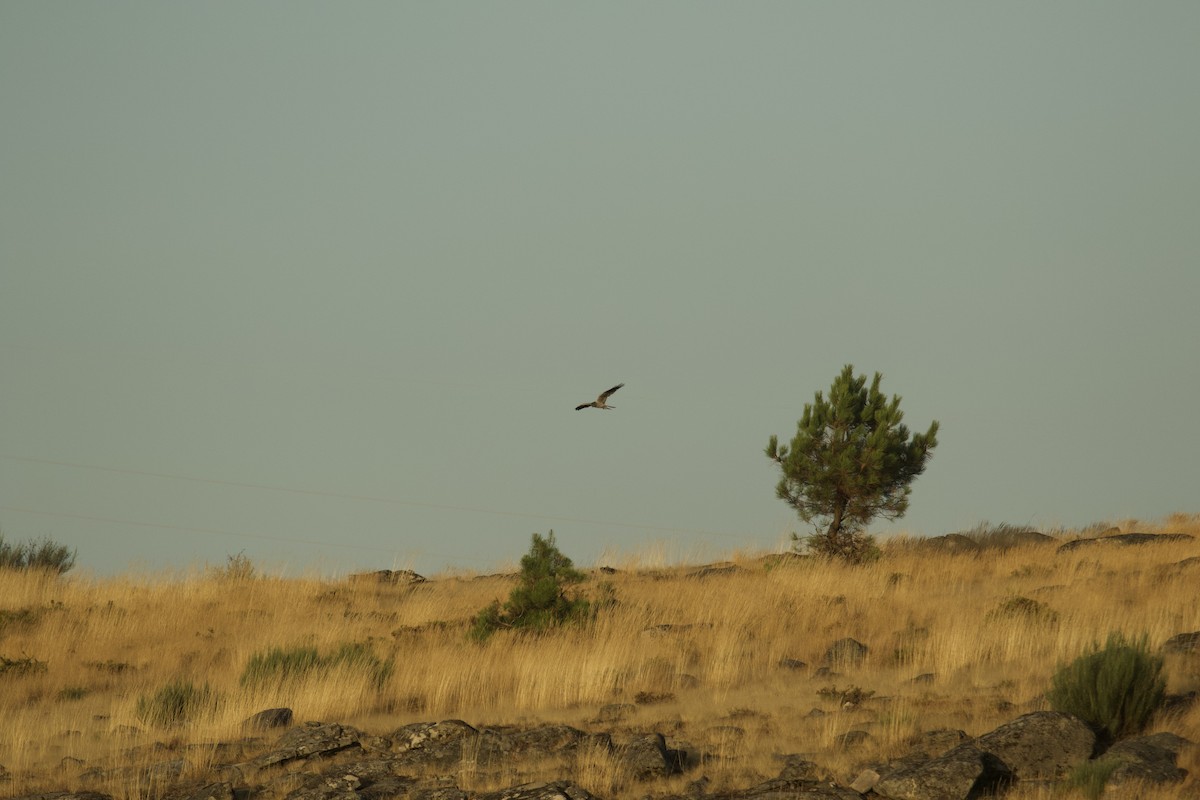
322 283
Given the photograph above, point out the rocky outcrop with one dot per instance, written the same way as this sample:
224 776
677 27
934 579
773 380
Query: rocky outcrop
964 772
1148 759
1041 745
1126 539
423 761
394 577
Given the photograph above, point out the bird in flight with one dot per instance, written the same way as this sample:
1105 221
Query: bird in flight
601 401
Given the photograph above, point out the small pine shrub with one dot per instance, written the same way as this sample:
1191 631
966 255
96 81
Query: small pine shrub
1116 689
540 600
175 704
44 555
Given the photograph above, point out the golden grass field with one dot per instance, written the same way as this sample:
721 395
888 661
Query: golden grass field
106 642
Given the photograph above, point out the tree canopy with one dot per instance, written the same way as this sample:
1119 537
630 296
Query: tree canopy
851 460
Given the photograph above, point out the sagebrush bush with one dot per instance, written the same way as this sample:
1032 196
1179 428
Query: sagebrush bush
1116 689
44 554
175 704
279 665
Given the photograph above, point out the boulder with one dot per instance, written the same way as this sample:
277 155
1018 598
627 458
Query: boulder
1182 643
846 651
1149 759
311 739
781 789
1040 745
964 772
558 790
394 577
1126 539
270 718
646 756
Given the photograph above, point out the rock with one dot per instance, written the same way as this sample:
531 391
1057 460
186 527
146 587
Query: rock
792 663
780 789
221 790
1126 539
558 790
404 577
614 712
798 768
865 781
313 738
419 734
1148 758
933 743
964 772
1182 643
846 651
952 543
1040 745
646 756
713 569
270 718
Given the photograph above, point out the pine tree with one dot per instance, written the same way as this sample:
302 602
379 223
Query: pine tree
851 460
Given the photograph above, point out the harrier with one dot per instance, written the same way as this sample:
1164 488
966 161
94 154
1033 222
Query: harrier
601 401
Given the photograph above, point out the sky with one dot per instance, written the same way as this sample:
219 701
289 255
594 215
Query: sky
320 284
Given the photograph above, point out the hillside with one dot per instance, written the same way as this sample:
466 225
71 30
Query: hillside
737 660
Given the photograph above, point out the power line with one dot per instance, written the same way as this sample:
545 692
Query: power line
369 498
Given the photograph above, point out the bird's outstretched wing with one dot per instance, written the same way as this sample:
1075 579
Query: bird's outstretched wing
582 407
604 396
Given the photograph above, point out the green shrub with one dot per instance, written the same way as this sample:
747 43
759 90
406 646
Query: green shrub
278 665
1116 689
1023 608
41 555
175 704
539 600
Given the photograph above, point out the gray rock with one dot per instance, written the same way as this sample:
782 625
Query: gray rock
1182 643
270 718
1151 759
311 739
952 543
221 790
1126 539
646 756
933 743
558 790
614 712
781 789
964 773
846 651
1043 744
405 577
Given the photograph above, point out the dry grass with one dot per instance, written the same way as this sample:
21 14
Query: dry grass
711 680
